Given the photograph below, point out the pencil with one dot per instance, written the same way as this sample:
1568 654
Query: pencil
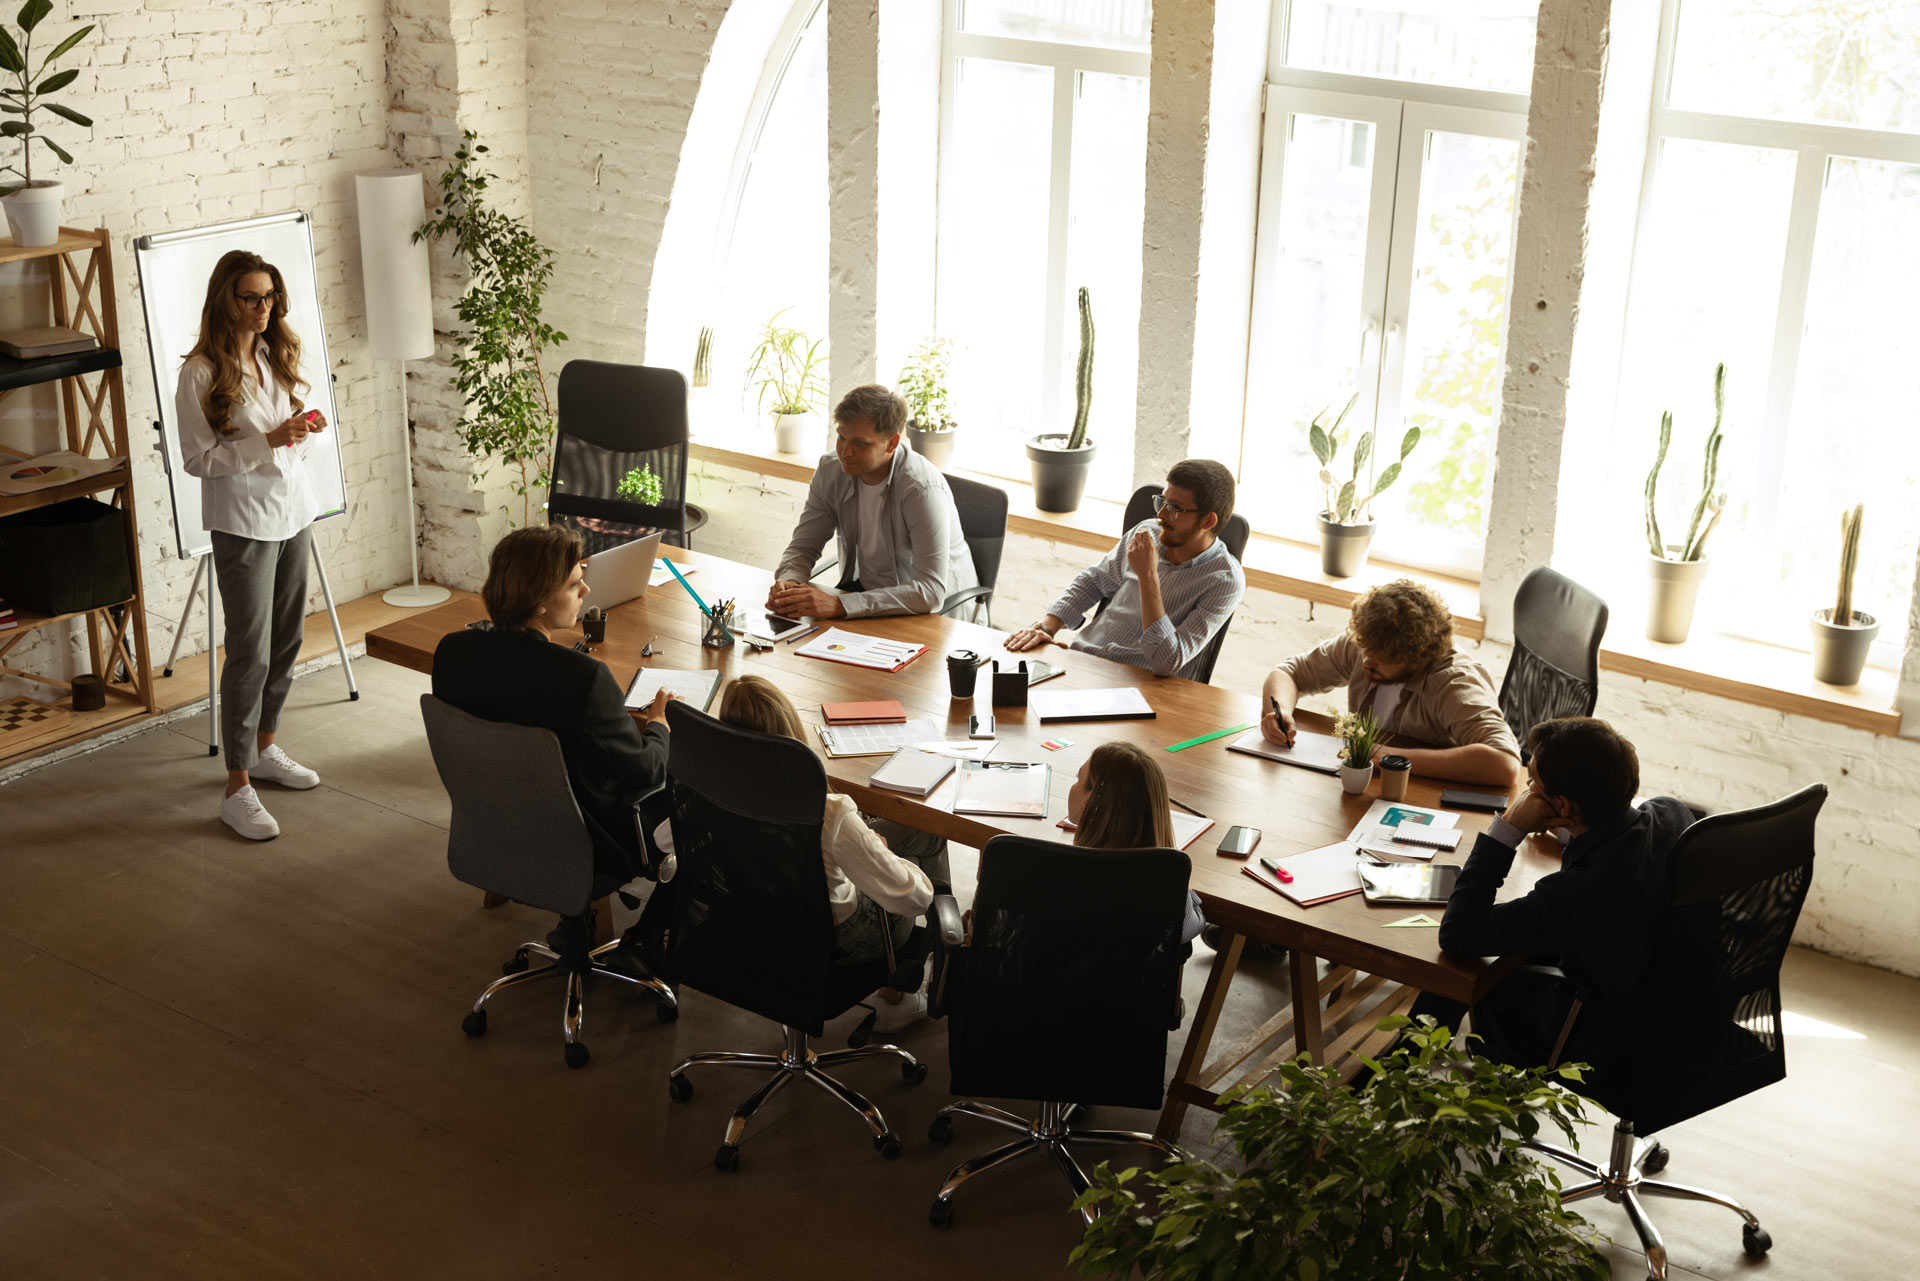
788 640
1188 808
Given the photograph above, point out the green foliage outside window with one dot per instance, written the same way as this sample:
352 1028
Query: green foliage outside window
1418 1174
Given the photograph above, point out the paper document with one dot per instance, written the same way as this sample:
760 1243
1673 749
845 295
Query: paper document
1121 702
862 651
916 773
1014 788
694 688
661 574
1187 828
1318 752
874 740
1376 829
1330 872
968 750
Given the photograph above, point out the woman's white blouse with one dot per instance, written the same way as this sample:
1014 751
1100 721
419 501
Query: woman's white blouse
249 488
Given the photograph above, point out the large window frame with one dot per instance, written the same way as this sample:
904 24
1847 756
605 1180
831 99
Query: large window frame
1814 147
1067 62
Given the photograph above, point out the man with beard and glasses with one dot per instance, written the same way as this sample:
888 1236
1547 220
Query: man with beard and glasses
1170 584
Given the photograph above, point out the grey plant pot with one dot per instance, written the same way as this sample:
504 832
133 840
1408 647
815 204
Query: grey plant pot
934 446
1673 589
1343 548
1059 473
1839 651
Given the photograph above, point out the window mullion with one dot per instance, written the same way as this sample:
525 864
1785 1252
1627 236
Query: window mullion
1059 207
1796 274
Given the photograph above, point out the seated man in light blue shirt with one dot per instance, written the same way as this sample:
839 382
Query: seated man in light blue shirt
1170 584
901 548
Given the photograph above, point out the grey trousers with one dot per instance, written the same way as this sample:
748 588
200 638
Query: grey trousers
263 594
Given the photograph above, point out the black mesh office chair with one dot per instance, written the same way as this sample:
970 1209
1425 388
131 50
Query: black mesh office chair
1065 995
1234 534
613 419
983 520
1704 1026
517 832
1555 668
751 923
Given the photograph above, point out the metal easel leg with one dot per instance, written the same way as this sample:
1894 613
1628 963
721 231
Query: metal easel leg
186 613
333 616
213 665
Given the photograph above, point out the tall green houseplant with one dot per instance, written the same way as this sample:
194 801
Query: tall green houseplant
498 365
27 86
1418 1174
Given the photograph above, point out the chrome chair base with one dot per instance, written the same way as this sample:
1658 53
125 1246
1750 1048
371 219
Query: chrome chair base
574 1011
1624 1183
797 1062
1050 1133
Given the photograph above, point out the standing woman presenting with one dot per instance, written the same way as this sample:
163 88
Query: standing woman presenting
243 432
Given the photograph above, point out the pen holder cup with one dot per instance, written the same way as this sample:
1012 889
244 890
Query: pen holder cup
717 636
1010 688
595 628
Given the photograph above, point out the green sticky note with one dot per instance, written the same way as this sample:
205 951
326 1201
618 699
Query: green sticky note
1207 738
1419 920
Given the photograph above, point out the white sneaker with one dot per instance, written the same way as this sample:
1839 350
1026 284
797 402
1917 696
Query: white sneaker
275 766
896 1018
244 813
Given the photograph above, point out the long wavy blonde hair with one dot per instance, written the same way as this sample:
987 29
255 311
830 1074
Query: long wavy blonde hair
221 319
1127 806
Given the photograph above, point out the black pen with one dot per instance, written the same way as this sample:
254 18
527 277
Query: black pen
1277 719
1183 805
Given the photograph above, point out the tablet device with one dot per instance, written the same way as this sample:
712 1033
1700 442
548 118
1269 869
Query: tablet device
1410 883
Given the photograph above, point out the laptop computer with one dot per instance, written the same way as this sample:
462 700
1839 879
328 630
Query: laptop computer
622 573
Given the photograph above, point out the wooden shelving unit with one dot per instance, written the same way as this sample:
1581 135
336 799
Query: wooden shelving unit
93 407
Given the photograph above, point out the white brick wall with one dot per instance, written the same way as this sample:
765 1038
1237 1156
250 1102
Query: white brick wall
206 113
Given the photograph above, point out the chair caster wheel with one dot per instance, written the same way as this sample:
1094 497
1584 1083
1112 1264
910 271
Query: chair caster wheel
577 1054
679 1089
1755 1241
726 1158
475 1024
517 964
940 1215
887 1145
913 1073
1656 1159
666 1012
941 1132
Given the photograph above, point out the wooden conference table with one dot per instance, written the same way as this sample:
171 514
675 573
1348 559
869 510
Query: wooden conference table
1296 809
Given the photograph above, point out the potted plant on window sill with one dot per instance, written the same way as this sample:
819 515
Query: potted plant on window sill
1840 649
1359 736
1346 519
1676 570
702 376
1061 461
789 368
33 204
923 385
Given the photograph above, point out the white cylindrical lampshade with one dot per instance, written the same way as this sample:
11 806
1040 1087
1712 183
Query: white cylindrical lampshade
393 204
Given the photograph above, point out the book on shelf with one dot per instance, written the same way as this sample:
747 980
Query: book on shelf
45 340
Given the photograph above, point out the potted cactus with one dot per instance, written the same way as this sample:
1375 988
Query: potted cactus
1675 570
1346 518
923 385
1843 636
1061 461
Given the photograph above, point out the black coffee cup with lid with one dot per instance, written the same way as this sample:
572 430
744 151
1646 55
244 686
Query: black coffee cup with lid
963 665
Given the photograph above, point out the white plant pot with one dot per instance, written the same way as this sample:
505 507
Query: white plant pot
33 214
1840 651
1354 778
1673 589
790 432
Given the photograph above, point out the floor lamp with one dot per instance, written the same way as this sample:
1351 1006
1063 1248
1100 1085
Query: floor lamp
393 268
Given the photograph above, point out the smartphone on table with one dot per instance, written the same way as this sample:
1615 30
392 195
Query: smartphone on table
1239 841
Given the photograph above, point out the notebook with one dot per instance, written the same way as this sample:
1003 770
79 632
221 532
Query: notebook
51 340
838 646
886 711
875 740
1118 703
1319 876
912 771
1383 829
695 688
1317 752
1016 789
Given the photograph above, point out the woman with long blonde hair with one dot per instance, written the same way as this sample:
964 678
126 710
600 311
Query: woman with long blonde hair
244 432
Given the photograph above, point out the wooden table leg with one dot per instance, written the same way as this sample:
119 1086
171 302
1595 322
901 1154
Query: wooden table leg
1306 1004
1193 1055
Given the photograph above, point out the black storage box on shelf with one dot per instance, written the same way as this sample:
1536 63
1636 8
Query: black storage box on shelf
65 558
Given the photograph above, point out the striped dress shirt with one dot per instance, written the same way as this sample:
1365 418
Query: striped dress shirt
1199 595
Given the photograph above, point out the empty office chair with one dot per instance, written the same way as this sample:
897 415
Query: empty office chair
517 832
751 923
1234 534
1555 668
1704 1026
983 520
613 419
1064 995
